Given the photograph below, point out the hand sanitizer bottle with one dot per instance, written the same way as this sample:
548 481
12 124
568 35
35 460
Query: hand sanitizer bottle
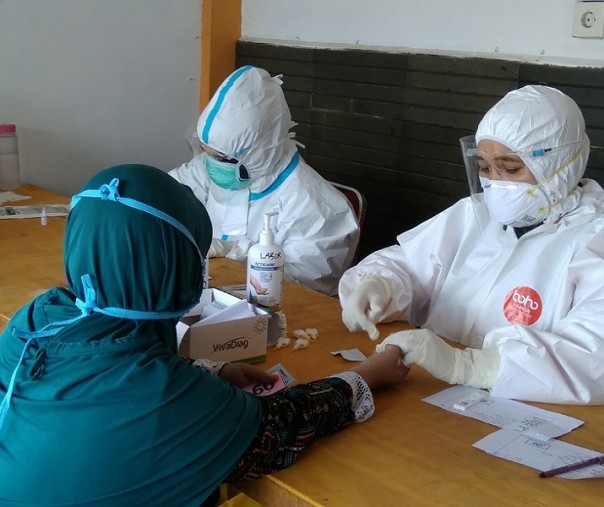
265 270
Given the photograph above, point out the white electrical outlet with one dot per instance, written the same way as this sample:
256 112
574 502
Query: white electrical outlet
588 20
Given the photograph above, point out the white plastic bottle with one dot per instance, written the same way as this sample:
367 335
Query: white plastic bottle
9 157
265 270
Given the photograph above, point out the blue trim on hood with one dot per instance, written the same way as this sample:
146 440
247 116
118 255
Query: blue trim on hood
220 99
280 179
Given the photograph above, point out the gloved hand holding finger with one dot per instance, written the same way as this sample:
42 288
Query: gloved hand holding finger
471 367
219 247
366 305
423 347
382 369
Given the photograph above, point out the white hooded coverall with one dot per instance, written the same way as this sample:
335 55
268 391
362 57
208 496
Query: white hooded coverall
538 299
248 119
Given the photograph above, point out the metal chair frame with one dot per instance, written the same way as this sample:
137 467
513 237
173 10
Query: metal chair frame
358 202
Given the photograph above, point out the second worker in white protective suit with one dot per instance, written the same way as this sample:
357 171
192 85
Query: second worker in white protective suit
250 165
515 272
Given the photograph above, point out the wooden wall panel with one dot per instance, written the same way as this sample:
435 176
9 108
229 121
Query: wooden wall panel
389 123
220 29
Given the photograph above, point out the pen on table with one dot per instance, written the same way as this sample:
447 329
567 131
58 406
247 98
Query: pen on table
598 460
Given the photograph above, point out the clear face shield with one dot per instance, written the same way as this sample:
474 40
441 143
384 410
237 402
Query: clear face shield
494 166
487 230
193 140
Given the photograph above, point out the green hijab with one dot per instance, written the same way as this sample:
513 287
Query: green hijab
134 250
103 411
135 260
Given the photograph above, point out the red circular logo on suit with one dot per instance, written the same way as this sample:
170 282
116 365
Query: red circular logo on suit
522 305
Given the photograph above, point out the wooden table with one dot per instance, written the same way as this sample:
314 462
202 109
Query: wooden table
409 454
31 254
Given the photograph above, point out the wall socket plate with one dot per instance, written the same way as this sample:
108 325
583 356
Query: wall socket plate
588 20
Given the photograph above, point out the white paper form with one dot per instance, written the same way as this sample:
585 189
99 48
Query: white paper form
11 197
540 455
181 330
221 313
509 414
52 210
237 311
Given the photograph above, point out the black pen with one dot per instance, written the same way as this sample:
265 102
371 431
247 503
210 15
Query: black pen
598 460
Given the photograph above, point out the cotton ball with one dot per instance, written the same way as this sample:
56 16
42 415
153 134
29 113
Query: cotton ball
301 343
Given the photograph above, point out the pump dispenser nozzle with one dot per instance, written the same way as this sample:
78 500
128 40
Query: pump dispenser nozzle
267 236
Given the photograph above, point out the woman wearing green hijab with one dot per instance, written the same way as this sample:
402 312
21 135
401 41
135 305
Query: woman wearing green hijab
97 407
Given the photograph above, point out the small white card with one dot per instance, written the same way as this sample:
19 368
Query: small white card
351 355
509 414
287 377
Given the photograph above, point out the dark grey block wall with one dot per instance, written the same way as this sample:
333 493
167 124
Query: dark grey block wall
389 123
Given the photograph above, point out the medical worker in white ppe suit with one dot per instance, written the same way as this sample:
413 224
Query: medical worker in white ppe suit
515 272
250 165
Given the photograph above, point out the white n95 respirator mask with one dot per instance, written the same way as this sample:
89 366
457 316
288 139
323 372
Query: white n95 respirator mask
516 204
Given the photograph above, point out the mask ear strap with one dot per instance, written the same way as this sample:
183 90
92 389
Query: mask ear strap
110 192
243 172
106 192
90 306
46 332
4 406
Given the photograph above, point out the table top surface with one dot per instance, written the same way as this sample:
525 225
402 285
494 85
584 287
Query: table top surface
32 254
408 453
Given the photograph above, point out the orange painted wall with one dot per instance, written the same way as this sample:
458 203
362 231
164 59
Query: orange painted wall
220 29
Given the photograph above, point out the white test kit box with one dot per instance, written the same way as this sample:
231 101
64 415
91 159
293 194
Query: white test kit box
238 331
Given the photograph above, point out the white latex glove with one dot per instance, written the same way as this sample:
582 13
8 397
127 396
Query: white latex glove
470 367
219 247
239 249
366 305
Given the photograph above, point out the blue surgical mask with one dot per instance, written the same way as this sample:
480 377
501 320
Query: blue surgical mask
226 174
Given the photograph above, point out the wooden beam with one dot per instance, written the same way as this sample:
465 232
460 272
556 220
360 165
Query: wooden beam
220 30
